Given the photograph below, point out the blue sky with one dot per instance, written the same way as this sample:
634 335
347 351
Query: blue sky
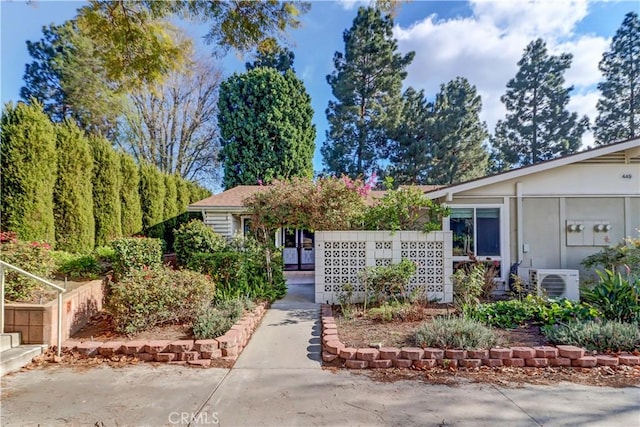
479 40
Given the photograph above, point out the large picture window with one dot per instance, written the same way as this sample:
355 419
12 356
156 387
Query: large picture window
476 231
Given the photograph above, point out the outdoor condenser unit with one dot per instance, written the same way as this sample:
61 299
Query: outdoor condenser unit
555 283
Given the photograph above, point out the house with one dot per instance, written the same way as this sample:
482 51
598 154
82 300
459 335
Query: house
550 215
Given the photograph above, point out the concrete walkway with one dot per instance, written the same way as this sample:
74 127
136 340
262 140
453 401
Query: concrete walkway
278 381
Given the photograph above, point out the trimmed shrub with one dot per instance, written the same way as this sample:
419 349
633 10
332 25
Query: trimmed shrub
73 193
105 254
597 336
130 196
195 237
152 192
136 254
385 282
29 166
107 183
216 320
33 257
455 332
144 299
76 266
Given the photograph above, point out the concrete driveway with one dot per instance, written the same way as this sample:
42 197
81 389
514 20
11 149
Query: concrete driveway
278 381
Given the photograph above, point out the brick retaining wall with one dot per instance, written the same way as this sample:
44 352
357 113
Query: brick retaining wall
406 357
192 352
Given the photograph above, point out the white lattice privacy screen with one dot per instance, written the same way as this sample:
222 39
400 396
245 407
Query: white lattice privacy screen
341 254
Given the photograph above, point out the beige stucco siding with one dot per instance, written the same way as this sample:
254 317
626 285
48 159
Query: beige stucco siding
541 220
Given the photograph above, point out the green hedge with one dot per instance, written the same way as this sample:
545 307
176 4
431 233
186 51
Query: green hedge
152 192
135 254
130 196
107 183
195 237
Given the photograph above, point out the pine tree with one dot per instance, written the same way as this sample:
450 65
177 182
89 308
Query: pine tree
457 135
265 126
107 183
411 153
276 57
29 166
130 196
367 84
619 104
538 125
73 196
151 200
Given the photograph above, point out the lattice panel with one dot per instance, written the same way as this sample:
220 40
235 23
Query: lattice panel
429 258
342 261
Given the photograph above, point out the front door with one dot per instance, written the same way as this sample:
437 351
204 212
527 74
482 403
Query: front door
298 251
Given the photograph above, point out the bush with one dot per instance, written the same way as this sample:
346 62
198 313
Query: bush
195 237
147 298
395 310
455 332
33 257
105 254
617 297
602 336
217 320
385 282
136 253
473 281
623 256
243 268
76 266
514 313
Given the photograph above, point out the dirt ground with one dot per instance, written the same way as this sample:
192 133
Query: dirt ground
101 328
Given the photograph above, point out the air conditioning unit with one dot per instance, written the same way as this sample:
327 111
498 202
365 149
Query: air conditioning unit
555 283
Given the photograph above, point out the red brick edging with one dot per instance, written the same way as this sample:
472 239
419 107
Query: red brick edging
386 357
192 352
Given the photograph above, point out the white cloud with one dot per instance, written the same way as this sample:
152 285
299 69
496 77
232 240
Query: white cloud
486 46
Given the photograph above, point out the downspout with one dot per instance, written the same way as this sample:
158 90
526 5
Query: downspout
519 222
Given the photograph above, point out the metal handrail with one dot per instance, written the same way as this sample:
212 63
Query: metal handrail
60 290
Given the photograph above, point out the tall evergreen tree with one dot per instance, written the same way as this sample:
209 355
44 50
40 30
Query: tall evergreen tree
152 200
265 126
366 83
107 183
411 157
457 135
29 165
130 196
276 57
619 103
538 125
73 196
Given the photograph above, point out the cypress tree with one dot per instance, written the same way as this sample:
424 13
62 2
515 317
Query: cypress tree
73 197
29 165
107 183
619 104
182 194
130 196
151 200
170 198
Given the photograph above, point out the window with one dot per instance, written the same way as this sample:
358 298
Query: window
476 231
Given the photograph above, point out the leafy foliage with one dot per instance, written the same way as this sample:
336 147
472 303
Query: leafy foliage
538 125
151 297
265 126
473 281
366 83
152 193
455 332
603 337
134 254
33 257
29 168
395 310
195 237
107 184
130 196
617 297
326 204
73 192
619 104
405 208
76 266
217 319
384 282
243 268
623 256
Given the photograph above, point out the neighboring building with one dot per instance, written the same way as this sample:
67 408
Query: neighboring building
550 215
